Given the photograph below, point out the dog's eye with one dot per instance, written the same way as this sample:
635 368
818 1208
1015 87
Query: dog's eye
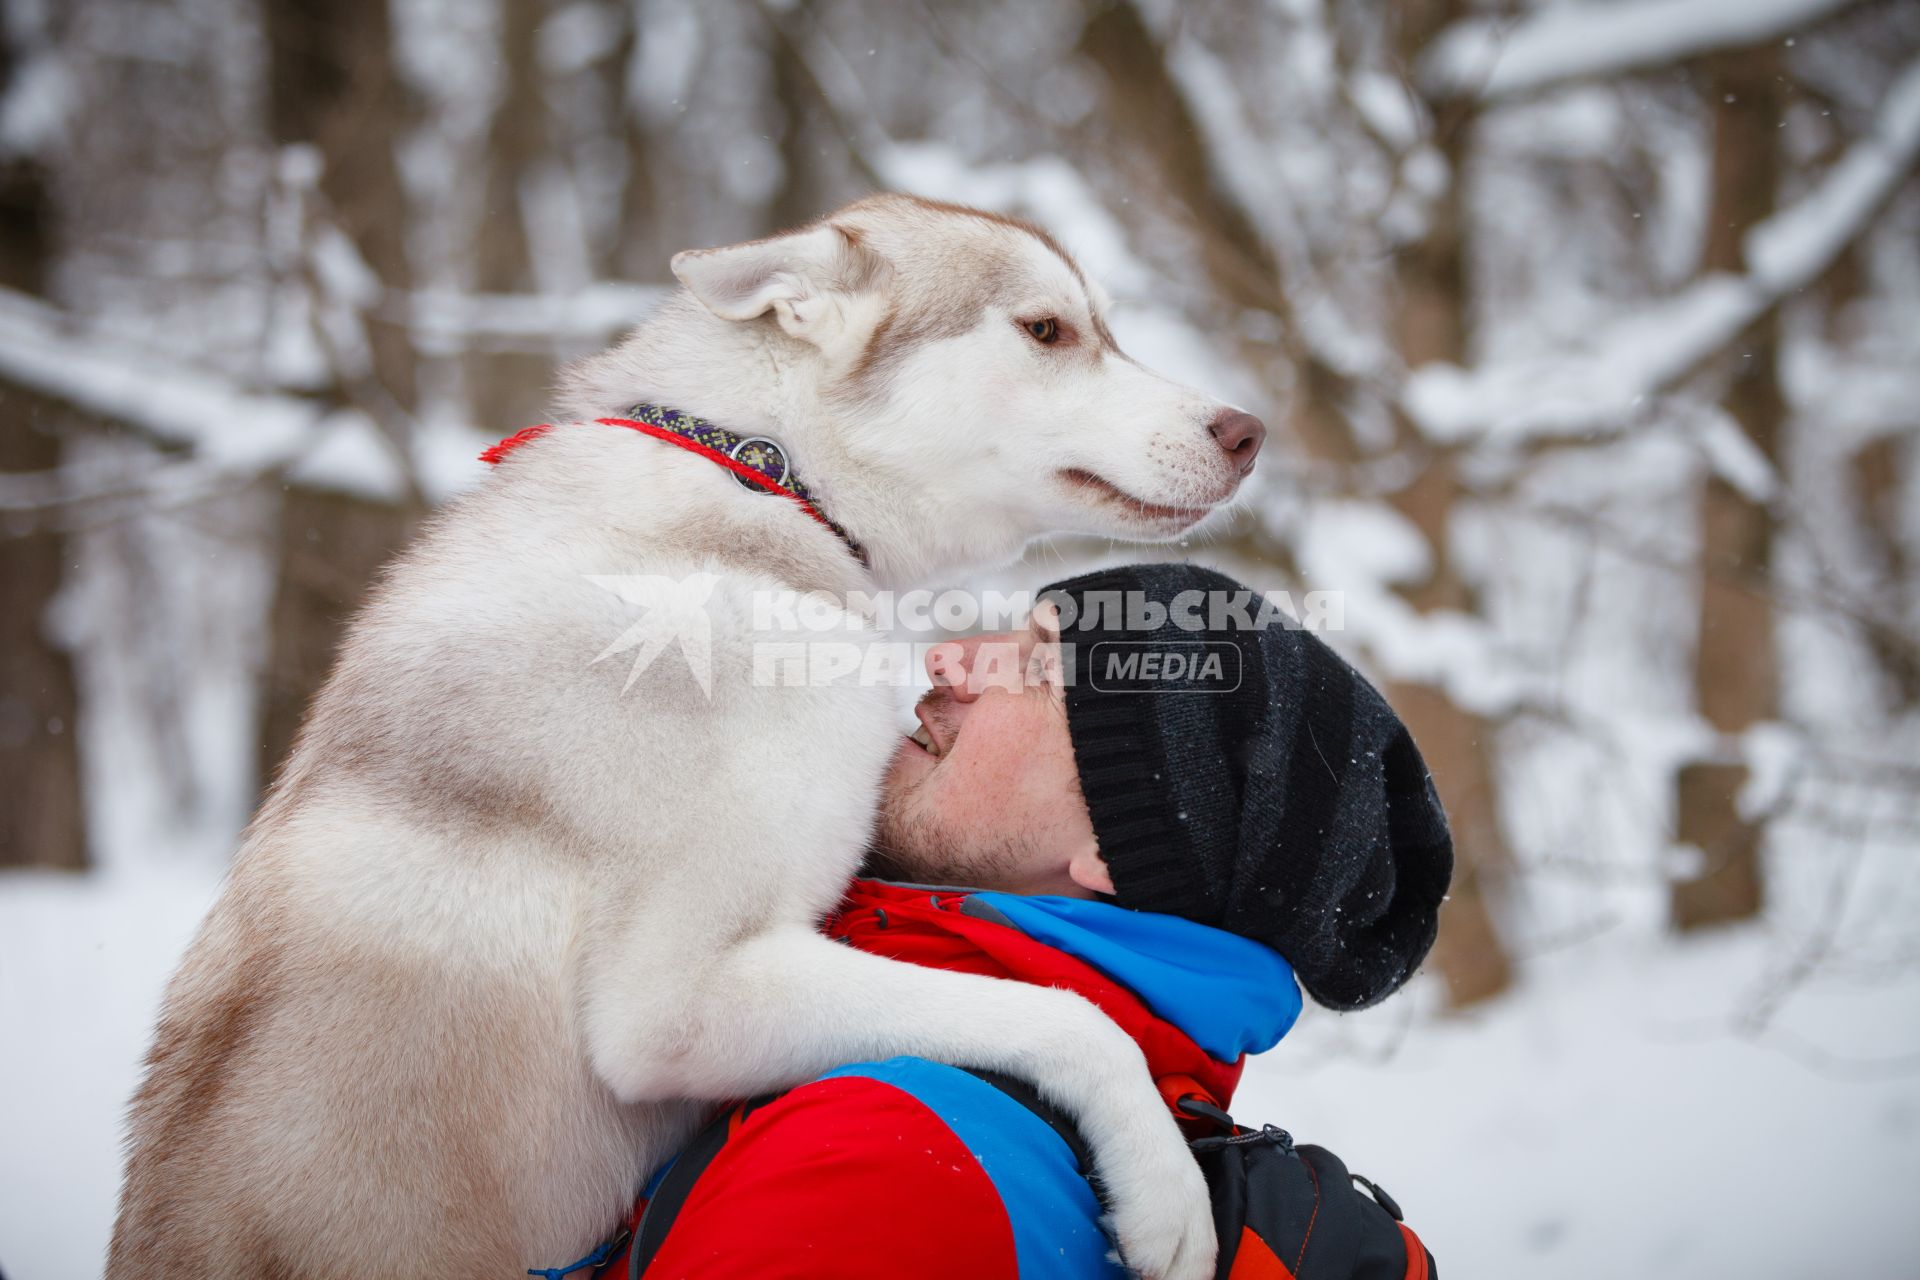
1044 331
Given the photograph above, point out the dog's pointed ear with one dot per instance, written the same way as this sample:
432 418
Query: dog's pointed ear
806 278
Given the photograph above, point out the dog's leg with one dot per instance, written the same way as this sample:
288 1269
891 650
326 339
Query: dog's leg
782 1007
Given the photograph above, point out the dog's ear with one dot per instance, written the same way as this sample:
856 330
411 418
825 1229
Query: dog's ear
806 278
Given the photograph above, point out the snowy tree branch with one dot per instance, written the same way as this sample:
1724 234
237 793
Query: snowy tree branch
1650 351
77 363
230 429
1491 59
454 323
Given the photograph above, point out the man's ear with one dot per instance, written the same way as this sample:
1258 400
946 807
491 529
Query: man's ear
1089 870
809 279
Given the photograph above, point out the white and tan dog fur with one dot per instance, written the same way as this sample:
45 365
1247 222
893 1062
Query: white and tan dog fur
502 931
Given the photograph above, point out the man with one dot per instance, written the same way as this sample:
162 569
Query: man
1176 839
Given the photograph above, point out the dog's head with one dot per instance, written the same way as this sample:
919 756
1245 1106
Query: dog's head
954 390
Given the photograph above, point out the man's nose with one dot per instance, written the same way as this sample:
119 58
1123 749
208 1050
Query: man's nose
958 665
1240 434
947 665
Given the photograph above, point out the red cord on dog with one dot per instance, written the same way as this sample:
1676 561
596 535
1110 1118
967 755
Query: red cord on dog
759 480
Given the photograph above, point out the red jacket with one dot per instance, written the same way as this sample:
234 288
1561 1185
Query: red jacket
908 1168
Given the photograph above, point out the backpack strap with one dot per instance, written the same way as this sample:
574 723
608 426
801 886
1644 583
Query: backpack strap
670 1196
1029 1097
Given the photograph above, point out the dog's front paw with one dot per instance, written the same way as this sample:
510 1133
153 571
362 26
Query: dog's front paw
1161 1214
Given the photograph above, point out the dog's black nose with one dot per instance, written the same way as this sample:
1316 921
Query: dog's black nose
1240 434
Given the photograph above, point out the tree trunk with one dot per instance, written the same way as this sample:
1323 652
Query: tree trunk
42 819
331 547
1431 324
1882 477
1734 662
334 87
509 389
332 84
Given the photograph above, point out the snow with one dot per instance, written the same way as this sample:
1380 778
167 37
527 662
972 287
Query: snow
36 108
82 964
1263 180
1361 550
665 58
1789 249
1388 107
1735 458
1608 1118
1363 542
1493 58
576 36
1591 390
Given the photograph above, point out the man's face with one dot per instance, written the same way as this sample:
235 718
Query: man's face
985 792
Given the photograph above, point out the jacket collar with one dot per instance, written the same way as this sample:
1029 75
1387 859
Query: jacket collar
1232 995
1196 999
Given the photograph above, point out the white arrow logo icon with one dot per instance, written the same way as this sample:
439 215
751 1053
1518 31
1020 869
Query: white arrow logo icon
675 610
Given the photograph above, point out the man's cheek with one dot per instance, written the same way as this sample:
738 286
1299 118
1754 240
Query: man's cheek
991 762
997 665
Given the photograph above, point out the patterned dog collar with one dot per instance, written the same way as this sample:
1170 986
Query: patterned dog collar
755 453
757 462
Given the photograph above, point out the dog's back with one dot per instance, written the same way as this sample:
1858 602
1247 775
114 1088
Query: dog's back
367 1062
277 1134
213 1006
294 1119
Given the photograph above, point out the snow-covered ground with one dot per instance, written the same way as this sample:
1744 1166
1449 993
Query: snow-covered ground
82 964
1602 1121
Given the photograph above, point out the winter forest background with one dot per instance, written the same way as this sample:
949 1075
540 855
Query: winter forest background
1590 332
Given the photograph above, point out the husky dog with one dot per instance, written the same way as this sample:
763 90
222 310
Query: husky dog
505 928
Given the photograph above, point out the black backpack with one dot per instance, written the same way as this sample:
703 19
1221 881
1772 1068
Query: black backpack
1287 1212
1283 1212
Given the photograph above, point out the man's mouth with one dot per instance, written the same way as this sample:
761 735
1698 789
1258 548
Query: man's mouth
926 737
1101 488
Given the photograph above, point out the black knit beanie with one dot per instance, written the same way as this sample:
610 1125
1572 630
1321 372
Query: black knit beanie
1244 776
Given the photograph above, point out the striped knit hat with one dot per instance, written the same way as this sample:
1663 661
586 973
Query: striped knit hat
1243 776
